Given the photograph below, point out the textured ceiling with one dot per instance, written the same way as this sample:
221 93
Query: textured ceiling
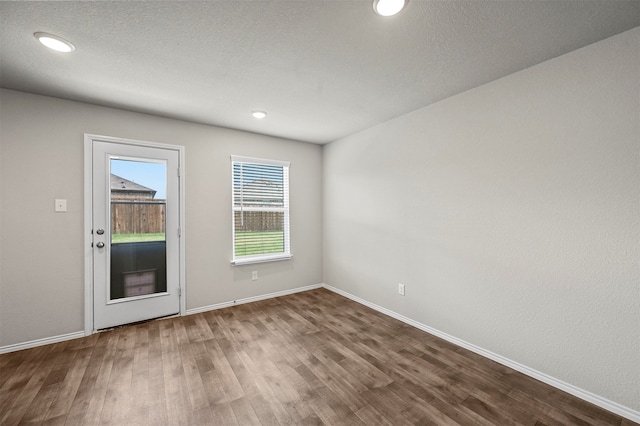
322 69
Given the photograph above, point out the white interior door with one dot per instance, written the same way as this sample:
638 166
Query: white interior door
135 232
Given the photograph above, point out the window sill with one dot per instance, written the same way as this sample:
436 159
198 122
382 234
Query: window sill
261 259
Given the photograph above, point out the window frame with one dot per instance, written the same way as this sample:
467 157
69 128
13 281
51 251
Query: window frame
270 257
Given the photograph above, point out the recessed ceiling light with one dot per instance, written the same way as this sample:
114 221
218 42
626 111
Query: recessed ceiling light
258 114
388 7
54 42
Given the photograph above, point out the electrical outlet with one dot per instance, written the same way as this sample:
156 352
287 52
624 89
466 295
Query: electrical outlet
254 275
401 289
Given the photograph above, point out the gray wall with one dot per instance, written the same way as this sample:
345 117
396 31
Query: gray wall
41 149
511 213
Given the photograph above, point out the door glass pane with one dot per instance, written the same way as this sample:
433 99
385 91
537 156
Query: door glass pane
138 245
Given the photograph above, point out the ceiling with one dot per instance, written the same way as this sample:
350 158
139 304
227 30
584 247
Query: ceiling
321 69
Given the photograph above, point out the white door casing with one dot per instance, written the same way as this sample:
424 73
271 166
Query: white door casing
101 309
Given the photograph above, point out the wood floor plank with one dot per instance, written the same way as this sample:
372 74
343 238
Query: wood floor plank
197 394
389 403
423 410
222 414
263 410
288 396
16 401
265 394
312 358
332 379
244 412
70 385
237 369
16 370
371 416
231 386
94 407
158 414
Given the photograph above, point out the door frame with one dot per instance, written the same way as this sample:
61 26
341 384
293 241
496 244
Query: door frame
89 327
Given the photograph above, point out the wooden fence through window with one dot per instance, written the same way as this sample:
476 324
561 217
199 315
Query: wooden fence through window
138 217
259 221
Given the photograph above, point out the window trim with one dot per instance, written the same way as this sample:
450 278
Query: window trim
261 258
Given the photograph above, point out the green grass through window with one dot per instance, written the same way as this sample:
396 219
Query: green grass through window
136 238
259 242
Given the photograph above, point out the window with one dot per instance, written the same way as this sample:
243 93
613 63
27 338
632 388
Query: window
260 210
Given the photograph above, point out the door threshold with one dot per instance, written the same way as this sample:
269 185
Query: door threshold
115 327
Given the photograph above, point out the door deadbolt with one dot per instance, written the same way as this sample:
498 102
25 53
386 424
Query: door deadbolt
100 231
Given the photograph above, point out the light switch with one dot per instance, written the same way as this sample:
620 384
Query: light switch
61 205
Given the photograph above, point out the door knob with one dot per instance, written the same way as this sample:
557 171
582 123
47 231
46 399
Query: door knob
100 244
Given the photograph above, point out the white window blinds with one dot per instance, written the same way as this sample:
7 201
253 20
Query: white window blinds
260 210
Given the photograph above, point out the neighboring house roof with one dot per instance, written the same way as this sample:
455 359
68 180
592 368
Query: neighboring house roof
120 184
260 193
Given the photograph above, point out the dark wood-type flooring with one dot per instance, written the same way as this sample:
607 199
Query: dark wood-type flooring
310 358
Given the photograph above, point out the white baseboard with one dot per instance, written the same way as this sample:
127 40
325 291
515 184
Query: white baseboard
612 406
251 299
41 342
